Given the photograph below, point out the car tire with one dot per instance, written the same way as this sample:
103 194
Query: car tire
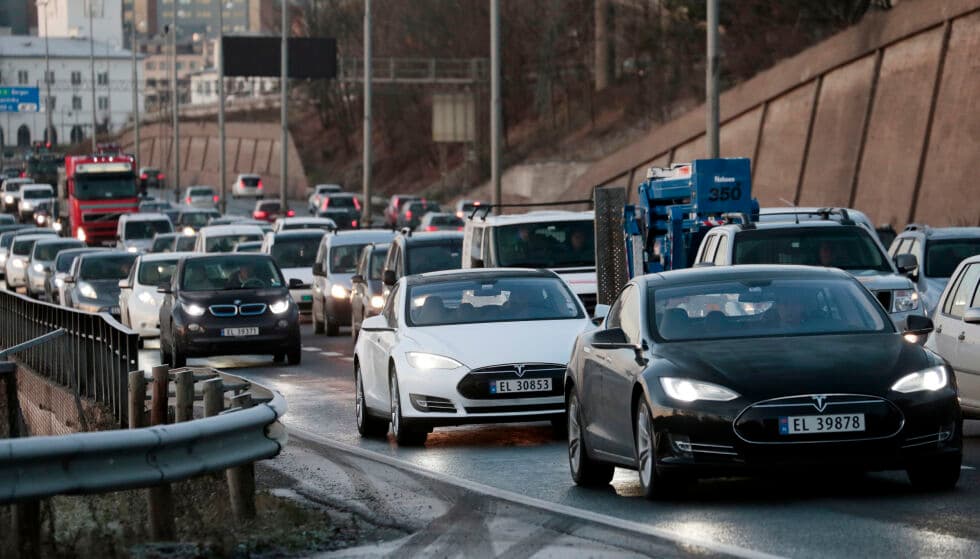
405 435
654 484
333 329
585 471
367 425
295 355
317 323
938 474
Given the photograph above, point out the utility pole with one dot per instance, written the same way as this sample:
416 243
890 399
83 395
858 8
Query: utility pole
222 178
91 59
283 110
176 105
136 96
711 87
495 120
47 79
601 45
366 177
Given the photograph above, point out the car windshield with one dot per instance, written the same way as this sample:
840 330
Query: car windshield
157 272
943 256
63 262
491 299
146 229
781 307
555 244
47 251
337 202
250 181
185 243
42 166
195 219
226 243
201 192
162 243
269 207
105 187
33 193
250 246
148 207
303 225
233 271
12 186
295 252
108 267
377 264
343 258
22 247
433 257
845 247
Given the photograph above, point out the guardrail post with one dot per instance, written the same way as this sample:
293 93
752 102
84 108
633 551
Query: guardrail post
137 399
184 389
214 396
26 521
241 479
160 499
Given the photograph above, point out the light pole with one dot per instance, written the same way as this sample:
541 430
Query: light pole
711 86
495 121
283 110
47 76
176 105
366 172
136 97
222 177
91 56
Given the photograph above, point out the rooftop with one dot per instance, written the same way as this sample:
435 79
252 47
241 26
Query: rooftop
29 46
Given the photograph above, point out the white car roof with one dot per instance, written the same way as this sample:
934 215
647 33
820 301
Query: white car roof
158 256
357 237
536 217
221 230
293 220
36 186
146 216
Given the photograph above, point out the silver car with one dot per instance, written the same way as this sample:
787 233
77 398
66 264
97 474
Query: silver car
201 197
40 267
15 270
938 251
31 197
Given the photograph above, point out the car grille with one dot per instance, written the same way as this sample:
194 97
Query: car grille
246 309
476 385
223 310
557 408
759 423
589 300
111 216
885 297
251 309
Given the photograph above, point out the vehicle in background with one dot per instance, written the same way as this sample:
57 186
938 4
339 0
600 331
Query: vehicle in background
440 221
164 242
40 265
886 234
394 208
836 243
151 177
728 371
464 208
11 173
237 303
248 246
137 231
294 253
412 254
223 238
7 238
957 333
155 206
54 287
139 300
45 215
367 292
937 251
190 220
31 196
344 209
412 212
247 185
93 191
226 219
200 197
270 210
15 270
43 167
799 214
7 219
11 192
335 265
316 198
427 360
562 241
292 223
92 283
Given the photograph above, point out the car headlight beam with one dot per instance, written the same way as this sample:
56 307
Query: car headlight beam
38 267
687 390
338 291
279 307
930 379
377 301
192 309
146 298
431 361
87 290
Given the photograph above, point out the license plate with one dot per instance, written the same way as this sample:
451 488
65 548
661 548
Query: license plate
815 424
114 310
520 385
306 298
235 332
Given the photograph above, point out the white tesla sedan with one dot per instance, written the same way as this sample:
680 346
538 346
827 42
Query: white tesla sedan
466 346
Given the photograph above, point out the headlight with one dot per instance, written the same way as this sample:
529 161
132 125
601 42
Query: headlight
18 263
192 309
146 298
8 199
81 235
87 290
428 361
188 230
931 379
3 259
38 267
905 300
56 226
686 390
377 301
279 307
338 291
132 249
28 206
58 282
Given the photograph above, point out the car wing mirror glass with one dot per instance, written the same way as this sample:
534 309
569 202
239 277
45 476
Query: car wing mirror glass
389 279
295 283
600 313
611 338
918 325
906 263
972 316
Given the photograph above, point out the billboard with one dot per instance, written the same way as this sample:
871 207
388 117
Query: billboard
309 57
19 100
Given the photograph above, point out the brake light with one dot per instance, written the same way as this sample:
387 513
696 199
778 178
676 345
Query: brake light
260 184
188 199
353 223
430 228
23 174
357 203
408 214
260 214
160 176
459 228
144 176
215 198
290 213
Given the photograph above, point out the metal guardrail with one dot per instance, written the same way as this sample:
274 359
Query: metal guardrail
91 359
38 467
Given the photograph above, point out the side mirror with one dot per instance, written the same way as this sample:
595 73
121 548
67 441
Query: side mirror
600 313
612 338
296 283
124 284
357 278
388 278
69 279
165 289
318 270
917 325
906 263
376 323
972 316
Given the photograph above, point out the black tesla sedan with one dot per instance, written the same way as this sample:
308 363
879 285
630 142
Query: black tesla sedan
228 304
720 371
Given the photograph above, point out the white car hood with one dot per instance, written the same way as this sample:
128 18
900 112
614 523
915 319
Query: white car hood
303 274
485 344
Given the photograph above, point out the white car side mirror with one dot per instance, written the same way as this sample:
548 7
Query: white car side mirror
600 313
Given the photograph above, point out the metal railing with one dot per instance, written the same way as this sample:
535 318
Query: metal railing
92 358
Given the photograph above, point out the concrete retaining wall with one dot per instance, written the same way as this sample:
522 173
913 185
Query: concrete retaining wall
881 117
50 409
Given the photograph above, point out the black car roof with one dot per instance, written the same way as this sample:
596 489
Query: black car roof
747 271
477 274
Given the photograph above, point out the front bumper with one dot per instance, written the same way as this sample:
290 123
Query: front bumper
16 277
208 340
338 310
143 318
36 282
98 306
303 299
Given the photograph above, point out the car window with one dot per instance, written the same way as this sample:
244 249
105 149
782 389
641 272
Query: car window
23 247
47 251
943 256
185 243
902 246
965 291
226 243
709 248
157 272
194 219
446 255
559 244
490 299
340 202
377 264
343 258
146 229
845 247
721 253
613 316
38 193
389 310
161 244
250 181
295 252
629 315
114 267
201 192
230 272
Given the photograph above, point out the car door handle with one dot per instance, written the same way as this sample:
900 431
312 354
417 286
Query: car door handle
961 337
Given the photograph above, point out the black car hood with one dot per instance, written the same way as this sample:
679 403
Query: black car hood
781 366
205 298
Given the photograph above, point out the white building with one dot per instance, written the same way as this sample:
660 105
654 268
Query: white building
70 18
204 87
22 64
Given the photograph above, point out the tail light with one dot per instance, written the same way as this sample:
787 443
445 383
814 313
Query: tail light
160 176
290 213
188 199
357 203
459 215
430 228
260 184
23 174
353 223
215 198
408 214
260 214
144 176
459 228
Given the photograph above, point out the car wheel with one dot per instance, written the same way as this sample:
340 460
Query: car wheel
367 425
405 435
938 474
295 355
653 483
317 323
585 471
333 329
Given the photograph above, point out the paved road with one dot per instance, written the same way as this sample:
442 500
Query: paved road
875 515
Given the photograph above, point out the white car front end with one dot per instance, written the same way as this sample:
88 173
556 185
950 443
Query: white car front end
15 272
37 275
26 207
584 284
143 309
303 296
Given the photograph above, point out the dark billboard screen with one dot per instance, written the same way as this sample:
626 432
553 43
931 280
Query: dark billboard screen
309 57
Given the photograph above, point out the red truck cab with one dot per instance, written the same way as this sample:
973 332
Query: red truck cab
96 190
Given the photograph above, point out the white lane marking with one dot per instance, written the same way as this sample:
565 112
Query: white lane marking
310 348
967 468
348 359
540 504
330 354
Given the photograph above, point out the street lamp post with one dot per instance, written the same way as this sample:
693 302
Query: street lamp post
711 87
366 171
91 56
47 77
176 105
221 108
495 120
136 98
284 111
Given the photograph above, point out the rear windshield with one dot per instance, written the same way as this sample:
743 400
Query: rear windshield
340 202
47 251
343 258
23 247
109 267
202 192
38 193
196 219
157 272
296 252
846 247
433 257
943 256
146 229
64 260
185 243
226 243
446 220
250 181
232 271
269 206
162 244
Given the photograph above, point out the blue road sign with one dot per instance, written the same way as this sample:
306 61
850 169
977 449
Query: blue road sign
19 100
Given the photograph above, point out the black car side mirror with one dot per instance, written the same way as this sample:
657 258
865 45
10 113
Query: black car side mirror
165 289
917 325
296 283
388 278
69 279
357 278
612 338
906 263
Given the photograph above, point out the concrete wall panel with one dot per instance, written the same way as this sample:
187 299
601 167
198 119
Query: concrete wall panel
886 181
739 135
694 149
195 155
246 155
777 169
262 149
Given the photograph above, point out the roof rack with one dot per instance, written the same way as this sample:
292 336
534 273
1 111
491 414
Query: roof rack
823 213
916 227
743 219
485 208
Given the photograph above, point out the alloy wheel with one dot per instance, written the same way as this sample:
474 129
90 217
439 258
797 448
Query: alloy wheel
574 437
395 406
644 446
358 398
